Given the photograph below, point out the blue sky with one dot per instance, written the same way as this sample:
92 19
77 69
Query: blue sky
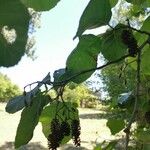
54 42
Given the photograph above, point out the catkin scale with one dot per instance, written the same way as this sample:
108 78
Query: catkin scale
129 40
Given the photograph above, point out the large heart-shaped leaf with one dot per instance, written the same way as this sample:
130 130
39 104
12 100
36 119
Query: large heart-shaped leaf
83 57
14 16
96 14
115 125
112 45
40 5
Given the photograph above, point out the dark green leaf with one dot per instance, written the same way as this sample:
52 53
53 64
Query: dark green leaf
143 135
84 57
115 125
145 63
61 110
113 2
112 45
111 145
145 69
143 3
29 120
141 38
58 73
40 5
13 15
146 25
96 14
137 2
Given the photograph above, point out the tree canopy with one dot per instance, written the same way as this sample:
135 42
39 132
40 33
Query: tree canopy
7 89
126 40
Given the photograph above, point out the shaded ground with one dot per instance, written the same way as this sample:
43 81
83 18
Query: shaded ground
93 128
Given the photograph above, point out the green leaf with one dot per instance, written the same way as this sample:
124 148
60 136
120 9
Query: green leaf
136 2
112 46
147 3
145 69
132 61
40 5
29 119
146 146
58 73
145 63
141 38
64 111
14 15
96 14
145 27
143 3
144 136
98 147
113 2
83 57
115 125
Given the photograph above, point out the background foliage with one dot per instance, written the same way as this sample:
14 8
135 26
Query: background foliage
7 89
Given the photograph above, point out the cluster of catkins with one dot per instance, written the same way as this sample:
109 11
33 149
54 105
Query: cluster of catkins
129 40
61 129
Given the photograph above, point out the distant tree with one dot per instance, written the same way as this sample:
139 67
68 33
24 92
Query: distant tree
7 88
117 79
81 95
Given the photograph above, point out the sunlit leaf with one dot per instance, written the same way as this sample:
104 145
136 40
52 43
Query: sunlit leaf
84 57
29 119
96 14
40 5
115 125
14 17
